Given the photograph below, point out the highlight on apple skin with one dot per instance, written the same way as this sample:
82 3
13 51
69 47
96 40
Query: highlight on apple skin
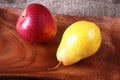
36 24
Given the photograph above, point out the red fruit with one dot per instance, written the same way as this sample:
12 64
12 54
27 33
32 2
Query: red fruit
36 24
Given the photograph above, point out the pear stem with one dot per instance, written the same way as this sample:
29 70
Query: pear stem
57 66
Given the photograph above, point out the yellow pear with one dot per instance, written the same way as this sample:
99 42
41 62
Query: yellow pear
80 40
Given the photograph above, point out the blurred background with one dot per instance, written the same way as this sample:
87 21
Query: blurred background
72 7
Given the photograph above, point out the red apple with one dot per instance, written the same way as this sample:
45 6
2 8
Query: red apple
36 24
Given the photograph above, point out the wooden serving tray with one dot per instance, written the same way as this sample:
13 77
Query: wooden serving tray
22 59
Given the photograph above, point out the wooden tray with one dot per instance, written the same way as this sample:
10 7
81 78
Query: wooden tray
22 59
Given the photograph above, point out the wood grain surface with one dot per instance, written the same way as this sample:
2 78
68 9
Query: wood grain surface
22 59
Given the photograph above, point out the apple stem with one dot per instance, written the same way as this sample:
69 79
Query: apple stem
23 16
58 65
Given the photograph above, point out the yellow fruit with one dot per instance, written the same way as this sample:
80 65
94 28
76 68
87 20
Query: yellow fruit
79 41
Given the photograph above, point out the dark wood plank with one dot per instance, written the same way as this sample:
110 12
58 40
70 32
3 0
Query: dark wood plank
22 59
